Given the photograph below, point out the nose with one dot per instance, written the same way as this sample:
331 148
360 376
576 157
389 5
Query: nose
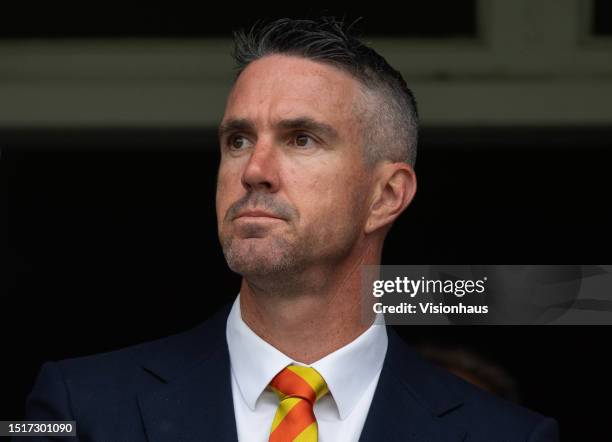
261 170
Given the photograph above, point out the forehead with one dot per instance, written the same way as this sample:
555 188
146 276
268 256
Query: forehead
279 86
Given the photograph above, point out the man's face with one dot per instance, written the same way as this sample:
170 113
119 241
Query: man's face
292 190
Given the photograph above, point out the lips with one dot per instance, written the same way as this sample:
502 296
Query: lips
256 214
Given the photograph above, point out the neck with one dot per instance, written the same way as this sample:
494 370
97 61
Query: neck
309 322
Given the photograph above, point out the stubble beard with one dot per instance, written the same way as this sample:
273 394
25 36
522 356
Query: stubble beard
281 265
269 257
294 263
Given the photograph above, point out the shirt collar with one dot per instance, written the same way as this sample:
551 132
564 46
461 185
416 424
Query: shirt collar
347 371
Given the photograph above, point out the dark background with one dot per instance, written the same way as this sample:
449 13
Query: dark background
108 236
99 19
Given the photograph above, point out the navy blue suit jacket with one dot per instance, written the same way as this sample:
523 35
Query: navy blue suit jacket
178 389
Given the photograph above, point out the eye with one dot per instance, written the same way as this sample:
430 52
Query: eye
302 140
238 142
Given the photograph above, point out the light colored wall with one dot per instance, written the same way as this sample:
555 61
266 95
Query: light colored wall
534 65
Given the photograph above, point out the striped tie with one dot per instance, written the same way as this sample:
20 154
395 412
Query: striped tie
297 388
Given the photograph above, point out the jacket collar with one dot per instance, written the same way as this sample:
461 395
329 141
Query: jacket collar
194 400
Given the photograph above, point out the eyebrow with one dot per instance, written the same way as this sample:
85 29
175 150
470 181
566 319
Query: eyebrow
236 125
299 123
309 124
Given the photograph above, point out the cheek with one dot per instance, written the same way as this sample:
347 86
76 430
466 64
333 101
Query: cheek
332 199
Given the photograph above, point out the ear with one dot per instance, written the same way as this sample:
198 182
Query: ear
394 189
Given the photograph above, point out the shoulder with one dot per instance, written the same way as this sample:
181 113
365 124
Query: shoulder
486 414
135 369
458 403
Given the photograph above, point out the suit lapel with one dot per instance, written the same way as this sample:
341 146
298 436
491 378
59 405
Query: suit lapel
194 403
409 402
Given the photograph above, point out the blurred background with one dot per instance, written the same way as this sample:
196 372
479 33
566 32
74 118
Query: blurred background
108 158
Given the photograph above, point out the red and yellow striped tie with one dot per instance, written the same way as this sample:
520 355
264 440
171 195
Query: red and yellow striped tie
298 388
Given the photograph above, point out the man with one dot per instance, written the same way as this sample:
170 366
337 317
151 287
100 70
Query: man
318 144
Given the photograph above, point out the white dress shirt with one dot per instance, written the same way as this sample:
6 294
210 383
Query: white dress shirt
351 374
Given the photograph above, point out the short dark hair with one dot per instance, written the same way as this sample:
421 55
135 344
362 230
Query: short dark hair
391 125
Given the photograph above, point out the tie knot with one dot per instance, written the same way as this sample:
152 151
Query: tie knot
299 382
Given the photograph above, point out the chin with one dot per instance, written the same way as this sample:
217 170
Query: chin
256 257
249 267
